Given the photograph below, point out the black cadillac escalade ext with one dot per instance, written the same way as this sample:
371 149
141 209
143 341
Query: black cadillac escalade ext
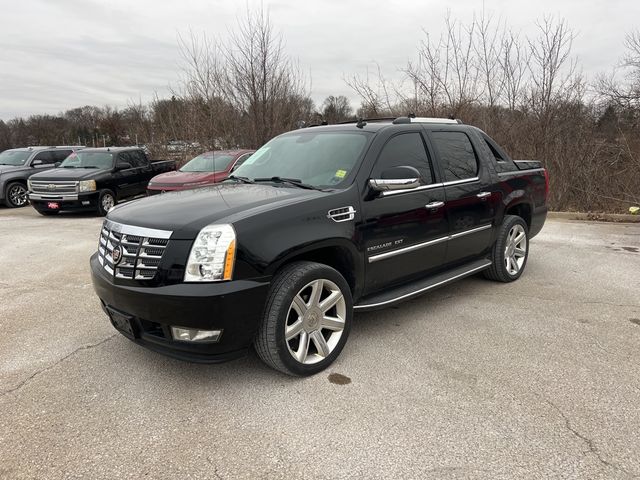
318 223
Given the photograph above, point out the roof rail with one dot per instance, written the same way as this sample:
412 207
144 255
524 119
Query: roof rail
408 119
401 120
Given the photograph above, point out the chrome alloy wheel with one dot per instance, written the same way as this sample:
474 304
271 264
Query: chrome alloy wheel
17 195
315 321
107 202
515 249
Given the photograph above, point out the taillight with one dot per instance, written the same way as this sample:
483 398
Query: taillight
546 183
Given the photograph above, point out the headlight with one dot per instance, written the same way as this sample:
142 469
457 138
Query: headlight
87 186
212 255
29 185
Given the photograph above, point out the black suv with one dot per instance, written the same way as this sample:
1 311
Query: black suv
18 164
317 223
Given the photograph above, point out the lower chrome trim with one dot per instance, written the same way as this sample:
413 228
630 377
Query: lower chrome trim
53 197
421 290
435 241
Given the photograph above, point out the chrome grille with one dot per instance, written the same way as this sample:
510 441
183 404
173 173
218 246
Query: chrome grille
141 250
53 187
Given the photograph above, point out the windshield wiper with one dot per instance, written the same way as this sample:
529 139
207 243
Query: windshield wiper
68 166
240 179
296 182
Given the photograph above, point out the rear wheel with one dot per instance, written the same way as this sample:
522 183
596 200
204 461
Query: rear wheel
106 201
510 252
16 195
306 320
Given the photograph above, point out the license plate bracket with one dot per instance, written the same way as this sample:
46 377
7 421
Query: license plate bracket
121 322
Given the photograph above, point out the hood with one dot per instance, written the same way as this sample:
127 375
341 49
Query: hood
180 178
185 212
12 168
68 174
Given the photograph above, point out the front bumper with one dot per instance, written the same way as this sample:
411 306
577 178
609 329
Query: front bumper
79 201
234 307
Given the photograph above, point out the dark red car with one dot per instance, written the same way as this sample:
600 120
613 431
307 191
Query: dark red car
205 169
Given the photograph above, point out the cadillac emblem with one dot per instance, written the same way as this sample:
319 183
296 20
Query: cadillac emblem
116 255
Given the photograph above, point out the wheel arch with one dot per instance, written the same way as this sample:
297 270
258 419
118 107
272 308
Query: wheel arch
336 253
521 209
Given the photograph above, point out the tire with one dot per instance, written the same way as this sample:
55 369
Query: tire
16 196
291 305
106 200
509 256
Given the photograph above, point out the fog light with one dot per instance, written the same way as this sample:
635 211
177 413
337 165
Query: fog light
193 335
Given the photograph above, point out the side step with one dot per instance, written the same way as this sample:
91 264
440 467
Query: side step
423 285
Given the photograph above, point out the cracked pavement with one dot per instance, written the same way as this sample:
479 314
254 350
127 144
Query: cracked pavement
535 379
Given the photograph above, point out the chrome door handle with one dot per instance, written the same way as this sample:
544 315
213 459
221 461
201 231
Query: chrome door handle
434 205
483 194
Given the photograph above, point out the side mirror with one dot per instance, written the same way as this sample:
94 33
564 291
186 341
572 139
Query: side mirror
57 164
396 178
123 166
37 163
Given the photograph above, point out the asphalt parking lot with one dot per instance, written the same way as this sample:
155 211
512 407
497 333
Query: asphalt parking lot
535 379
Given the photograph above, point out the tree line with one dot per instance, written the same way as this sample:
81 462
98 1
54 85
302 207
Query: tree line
525 91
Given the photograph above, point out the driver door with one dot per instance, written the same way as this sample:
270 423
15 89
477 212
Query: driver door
404 231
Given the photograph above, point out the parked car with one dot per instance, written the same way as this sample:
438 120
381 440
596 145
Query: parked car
318 223
205 169
18 164
94 179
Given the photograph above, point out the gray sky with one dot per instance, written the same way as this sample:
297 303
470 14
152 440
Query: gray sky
60 54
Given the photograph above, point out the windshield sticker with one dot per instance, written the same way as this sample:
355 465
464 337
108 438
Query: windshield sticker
341 173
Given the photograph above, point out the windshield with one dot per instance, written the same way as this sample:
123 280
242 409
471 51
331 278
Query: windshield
321 159
84 159
208 163
14 157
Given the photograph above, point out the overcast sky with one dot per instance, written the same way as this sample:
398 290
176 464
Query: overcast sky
60 54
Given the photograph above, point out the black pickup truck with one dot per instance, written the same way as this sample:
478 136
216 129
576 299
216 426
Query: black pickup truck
318 223
94 179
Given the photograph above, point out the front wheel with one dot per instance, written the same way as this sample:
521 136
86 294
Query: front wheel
511 250
307 319
106 202
16 195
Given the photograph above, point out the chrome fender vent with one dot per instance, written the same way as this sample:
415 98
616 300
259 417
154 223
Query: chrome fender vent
343 214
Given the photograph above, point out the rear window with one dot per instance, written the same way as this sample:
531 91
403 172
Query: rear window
208 162
457 157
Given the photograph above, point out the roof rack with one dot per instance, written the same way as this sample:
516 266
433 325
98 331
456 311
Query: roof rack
411 119
400 120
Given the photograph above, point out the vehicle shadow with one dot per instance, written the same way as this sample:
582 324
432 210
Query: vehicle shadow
367 327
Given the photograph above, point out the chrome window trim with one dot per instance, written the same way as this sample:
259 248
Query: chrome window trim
139 231
435 241
416 292
517 172
432 185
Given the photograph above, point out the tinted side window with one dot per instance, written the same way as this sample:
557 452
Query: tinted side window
45 157
134 159
457 157
501 163
140 158
126 157
406 149
60 155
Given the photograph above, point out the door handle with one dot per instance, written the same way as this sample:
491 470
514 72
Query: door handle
434 205
483 195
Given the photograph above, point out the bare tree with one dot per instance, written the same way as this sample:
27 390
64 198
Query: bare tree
336 109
